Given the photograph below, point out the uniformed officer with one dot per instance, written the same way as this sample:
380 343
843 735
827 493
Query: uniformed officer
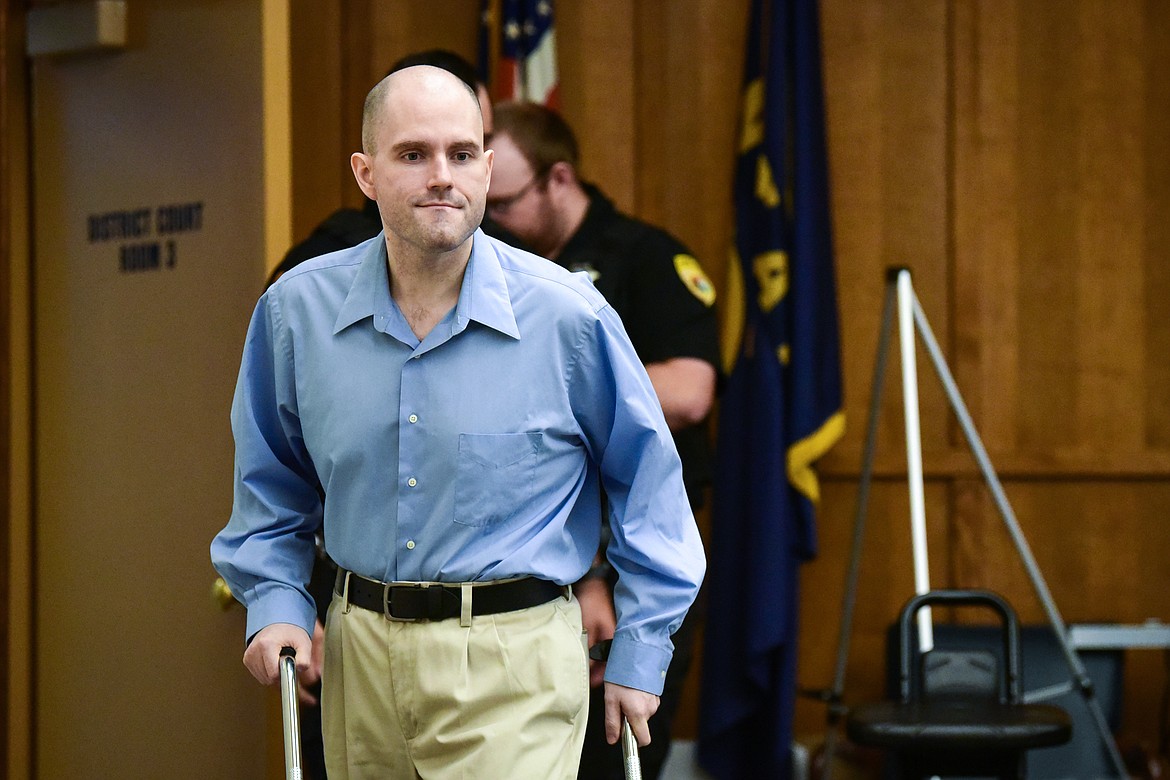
666 303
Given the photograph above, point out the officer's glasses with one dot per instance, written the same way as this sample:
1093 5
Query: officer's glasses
501 205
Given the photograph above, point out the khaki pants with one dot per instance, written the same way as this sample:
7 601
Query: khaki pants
505 697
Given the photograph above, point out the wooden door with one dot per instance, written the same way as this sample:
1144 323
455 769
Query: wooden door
149 211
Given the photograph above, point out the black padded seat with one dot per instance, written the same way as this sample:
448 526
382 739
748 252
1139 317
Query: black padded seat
960 713
952 726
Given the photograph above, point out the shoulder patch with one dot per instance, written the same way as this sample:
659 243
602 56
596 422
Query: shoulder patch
694 278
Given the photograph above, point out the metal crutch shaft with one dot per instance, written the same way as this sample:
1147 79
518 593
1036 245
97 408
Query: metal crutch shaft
630 760
291 714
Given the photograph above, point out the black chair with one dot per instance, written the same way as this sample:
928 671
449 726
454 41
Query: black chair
960 712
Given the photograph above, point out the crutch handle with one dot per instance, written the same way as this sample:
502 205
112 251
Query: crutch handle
630 760
290 709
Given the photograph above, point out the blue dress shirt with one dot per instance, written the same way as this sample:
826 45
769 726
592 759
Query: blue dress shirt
472 455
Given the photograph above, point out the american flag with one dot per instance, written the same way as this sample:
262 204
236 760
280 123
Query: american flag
520 37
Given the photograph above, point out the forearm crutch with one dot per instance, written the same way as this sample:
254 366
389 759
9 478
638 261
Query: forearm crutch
290 709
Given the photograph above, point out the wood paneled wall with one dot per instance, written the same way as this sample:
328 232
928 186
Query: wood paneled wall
1012 153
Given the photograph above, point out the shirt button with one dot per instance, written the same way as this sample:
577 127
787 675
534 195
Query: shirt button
410 545
413 418
412 481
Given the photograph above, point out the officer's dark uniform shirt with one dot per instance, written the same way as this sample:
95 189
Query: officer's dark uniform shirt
663 297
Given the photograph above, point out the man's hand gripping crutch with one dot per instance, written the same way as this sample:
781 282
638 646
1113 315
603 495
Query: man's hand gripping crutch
627 716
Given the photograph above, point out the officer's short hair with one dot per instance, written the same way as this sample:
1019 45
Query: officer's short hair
440 58
543 137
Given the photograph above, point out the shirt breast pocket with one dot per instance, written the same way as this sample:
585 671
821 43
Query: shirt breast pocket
495 476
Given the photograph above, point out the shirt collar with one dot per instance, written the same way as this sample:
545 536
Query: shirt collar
369 294
483 296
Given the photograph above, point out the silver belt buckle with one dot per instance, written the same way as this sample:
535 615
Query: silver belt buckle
386 600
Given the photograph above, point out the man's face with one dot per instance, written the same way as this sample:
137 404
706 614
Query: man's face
519 198
429 172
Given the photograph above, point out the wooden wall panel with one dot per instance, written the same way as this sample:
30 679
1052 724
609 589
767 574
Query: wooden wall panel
1109 221
1155 336
320 167
1055 253
886 580
595 46
1092 541
885 83
397 28
986 217
1013 154
1050 207
1102 550
360 70
686 122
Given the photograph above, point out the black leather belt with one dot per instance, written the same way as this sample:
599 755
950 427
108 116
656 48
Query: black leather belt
435 601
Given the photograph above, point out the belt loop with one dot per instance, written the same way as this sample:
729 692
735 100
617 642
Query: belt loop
344 573
465 605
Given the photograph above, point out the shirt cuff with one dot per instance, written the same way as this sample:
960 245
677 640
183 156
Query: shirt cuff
637 665
279 604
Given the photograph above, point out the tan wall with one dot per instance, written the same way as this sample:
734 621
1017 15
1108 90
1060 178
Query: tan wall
1012 153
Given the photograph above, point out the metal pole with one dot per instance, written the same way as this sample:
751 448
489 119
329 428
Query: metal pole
630 761
914 456
291 714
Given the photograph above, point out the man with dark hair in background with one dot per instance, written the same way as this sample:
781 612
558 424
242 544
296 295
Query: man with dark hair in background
665 301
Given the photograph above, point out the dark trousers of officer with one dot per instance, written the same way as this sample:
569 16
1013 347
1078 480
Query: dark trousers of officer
602 761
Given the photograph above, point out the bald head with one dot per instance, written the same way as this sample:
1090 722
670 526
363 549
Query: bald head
424 162
415 80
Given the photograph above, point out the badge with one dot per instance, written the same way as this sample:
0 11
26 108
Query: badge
586 268
692 276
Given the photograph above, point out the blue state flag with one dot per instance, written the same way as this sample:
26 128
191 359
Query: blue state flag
781 408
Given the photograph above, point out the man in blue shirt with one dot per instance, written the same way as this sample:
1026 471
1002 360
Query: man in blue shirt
459 404
666 304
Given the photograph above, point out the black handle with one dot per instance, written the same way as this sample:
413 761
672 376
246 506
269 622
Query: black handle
600 651
955 597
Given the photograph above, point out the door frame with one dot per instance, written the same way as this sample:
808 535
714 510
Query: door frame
16 526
